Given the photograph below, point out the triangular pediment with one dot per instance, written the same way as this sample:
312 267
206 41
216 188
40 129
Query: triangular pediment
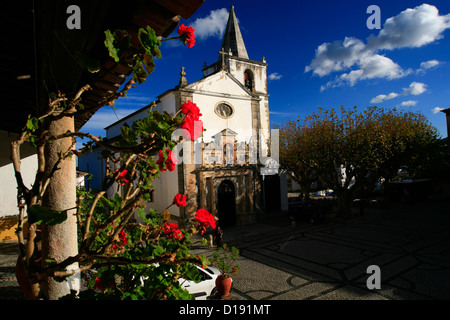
221 82
226 132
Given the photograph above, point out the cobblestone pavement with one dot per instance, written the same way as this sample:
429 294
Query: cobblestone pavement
9 288
409 242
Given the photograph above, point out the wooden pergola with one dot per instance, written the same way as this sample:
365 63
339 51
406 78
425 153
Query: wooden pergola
39 50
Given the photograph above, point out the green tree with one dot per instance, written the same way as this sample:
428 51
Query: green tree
296 155
337 148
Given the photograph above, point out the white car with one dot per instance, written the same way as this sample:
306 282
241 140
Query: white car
205 287
201 290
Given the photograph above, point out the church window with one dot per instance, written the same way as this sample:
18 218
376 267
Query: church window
224 110
248 80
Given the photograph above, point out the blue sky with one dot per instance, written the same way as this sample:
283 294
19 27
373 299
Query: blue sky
320 54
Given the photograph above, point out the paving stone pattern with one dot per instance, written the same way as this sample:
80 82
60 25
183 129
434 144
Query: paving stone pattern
9 288
409 242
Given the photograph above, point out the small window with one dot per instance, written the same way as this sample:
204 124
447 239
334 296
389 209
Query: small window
224 110
248 80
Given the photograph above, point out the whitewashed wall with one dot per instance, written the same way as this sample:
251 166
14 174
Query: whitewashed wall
8 186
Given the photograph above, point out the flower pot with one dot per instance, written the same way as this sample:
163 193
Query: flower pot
223 286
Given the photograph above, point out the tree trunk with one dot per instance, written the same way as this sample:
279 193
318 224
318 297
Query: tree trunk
60 241
343 199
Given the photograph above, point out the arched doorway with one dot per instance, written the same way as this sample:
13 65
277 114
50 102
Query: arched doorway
226 197
272 193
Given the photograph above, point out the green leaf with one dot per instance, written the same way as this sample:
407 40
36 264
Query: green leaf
117 43
149 63
139 73
191 272
109 43
32 124
92 65
46 216
150 41
157 251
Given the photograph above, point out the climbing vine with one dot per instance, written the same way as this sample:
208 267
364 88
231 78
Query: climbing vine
125 258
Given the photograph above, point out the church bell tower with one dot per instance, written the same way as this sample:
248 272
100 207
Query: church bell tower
233 57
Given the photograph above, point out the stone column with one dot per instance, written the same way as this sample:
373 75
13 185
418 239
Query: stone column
202 190
249 187
60 241
191 189
212 196
241 179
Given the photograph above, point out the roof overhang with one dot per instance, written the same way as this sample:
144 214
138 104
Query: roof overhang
40 59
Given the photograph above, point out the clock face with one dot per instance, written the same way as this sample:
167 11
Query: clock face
224 110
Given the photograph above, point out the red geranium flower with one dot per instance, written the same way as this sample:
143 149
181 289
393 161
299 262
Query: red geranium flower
191 121
205 219
187 35
121 177
180 200
171 230
170 162
123 240
190 109
99 285
193 126
122 236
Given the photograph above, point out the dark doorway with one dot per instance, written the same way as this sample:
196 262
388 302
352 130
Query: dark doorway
272 198
226 198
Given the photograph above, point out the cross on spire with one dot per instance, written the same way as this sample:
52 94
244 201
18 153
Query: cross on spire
232 39
222 54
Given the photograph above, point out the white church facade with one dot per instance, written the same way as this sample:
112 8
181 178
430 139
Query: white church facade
224 172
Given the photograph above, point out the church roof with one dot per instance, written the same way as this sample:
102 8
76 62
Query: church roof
233 38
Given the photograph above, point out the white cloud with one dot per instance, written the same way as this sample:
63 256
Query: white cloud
275 76
408 103
357 61
384 97
412 28
213 25
374 66
437 110
426 65
415 89
336 56
370 67
429 64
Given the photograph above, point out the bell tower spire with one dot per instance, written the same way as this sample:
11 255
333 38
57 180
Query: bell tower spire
233 59
232 40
